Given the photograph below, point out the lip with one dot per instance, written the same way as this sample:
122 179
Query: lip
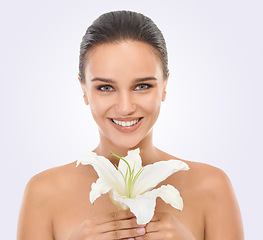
126 129
127 119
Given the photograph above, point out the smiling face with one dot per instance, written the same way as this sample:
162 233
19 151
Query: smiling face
124 88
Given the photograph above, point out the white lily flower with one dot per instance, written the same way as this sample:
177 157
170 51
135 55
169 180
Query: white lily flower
131 185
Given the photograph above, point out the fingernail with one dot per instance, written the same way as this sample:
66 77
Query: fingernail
140 230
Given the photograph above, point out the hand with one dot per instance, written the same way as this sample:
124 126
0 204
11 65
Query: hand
116 225
166 226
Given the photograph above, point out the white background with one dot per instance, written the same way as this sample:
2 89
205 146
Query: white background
213 111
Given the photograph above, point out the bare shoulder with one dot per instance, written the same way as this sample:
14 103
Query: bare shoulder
40 196
46 183
211 184
207 177
46 187
217 198
207 190
200 176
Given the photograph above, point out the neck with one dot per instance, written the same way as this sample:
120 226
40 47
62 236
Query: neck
148 152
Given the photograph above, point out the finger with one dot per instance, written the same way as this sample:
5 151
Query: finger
151 236
115 216
118 225
124 234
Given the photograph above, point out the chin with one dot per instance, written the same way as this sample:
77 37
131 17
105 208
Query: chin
131 141
127 144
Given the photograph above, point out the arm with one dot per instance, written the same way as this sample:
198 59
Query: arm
35 214
222 214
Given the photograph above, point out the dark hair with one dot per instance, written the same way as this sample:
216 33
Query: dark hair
123 25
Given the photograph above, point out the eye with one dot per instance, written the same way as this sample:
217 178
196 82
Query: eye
142 87
106 88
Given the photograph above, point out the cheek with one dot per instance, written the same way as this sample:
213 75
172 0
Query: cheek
151 103
98 105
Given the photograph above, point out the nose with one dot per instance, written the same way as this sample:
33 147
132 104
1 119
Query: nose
125 104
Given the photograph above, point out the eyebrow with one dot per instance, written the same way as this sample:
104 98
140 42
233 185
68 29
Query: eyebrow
144 79
106 80
102 80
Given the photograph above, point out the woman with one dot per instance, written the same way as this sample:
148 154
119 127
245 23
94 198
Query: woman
123 74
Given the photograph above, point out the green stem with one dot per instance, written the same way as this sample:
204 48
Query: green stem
122 160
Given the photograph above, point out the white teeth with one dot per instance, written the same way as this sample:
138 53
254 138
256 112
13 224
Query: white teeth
125 124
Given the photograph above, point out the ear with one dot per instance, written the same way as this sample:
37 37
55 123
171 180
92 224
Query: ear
163 96
84 91
164 87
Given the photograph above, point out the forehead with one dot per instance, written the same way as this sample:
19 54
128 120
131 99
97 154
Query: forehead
124 59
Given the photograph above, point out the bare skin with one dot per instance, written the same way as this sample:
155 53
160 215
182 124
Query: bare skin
56 203
124 82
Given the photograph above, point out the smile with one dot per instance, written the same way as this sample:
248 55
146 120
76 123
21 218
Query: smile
126 123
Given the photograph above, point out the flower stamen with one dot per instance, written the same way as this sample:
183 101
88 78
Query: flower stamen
129 177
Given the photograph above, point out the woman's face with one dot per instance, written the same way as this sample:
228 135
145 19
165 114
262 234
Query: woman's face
124 88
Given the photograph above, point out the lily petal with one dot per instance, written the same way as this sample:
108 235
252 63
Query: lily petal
97 189
114 195
143 205
153 174
104 168
171 195
134 160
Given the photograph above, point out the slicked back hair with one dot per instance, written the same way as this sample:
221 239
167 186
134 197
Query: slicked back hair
117 26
